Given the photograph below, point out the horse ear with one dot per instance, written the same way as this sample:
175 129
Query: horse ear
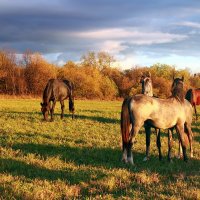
182 78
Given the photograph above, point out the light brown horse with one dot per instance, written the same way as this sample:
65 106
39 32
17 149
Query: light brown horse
147 88
158 113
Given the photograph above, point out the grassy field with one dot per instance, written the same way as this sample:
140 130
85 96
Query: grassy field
81 158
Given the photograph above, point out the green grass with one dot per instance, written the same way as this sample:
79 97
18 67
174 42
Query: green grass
81 158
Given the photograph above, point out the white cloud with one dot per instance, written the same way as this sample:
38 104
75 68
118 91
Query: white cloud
112 46
189 24
131 35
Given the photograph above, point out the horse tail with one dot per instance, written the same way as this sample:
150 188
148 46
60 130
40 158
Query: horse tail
71 98
126 121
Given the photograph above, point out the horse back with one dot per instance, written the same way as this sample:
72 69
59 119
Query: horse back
57 89
163 113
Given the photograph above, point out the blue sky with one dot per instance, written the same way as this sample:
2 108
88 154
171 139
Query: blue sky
135 32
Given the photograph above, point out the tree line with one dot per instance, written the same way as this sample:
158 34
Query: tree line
94 77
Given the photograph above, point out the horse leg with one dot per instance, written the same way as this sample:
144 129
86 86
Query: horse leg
148 135
62 108
180 152
124 154
180 130
195 110
190 137
158 143
135 129
170 143
52 109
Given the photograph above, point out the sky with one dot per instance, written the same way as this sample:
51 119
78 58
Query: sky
134 32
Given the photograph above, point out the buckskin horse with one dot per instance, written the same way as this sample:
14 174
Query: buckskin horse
193 96
57 90
147 88
158 113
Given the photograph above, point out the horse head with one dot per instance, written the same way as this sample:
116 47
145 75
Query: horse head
146 84
45 110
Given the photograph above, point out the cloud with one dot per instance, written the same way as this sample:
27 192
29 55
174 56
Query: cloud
66 29
134 36
189 24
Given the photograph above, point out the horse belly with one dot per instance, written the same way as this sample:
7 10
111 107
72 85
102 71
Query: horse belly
164 118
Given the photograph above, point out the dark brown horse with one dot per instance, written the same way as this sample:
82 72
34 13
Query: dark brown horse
193 96
57 90
154 112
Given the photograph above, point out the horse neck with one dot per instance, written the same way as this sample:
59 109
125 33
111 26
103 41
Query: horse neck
47 93
178 94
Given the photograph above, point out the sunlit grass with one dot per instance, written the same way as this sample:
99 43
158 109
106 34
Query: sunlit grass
81 158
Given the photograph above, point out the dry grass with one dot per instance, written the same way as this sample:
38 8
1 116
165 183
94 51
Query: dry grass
81 158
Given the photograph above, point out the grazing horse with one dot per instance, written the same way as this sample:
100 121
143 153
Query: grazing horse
193 96
154 112
57 90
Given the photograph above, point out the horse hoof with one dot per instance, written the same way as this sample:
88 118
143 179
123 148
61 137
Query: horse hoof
130 161
124 160
145 159
170 160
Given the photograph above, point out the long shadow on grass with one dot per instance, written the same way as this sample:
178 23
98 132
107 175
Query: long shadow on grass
110 158
77 116
20 168
98 119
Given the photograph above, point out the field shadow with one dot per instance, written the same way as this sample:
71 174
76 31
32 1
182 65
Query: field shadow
98 119
110 158
20 168
66 115
92 158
